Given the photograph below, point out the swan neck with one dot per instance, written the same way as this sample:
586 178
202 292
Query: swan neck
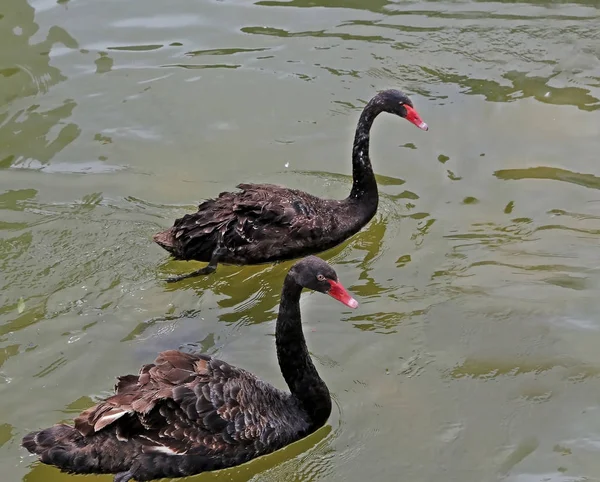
297 368
364 185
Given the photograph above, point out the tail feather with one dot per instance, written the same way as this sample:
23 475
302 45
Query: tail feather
102 453
58 435
65 448
165 239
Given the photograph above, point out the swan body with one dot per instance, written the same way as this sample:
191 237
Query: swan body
259 224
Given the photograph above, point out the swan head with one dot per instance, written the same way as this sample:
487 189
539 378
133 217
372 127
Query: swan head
315 274
398 103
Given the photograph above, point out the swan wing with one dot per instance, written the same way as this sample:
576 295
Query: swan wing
258 213
194 404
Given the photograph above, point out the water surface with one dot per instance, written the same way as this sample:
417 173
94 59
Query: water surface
474 353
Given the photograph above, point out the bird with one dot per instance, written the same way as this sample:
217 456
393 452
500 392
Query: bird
262 223
189 413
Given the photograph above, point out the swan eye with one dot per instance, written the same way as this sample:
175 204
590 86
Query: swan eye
320 277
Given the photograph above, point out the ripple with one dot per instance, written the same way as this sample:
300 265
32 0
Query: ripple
384 323
549 173
91 167
159 22
137 48
494 368
204 66
37 136
549 477
523 450
494 235
277 32
196 53
373 5
55 365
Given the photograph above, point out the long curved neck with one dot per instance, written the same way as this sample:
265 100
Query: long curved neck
364 185
294 360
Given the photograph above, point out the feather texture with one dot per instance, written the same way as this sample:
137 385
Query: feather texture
181 415
261 223
195 404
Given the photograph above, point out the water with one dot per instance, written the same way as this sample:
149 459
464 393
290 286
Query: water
474 353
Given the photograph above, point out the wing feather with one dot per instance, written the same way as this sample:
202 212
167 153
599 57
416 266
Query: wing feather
193 404
242 220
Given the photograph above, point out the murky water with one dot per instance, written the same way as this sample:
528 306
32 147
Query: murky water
474 355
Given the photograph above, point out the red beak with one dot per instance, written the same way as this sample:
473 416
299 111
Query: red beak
338 292
415 118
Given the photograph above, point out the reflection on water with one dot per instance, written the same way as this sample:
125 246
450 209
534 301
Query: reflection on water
25 71
5 433
553 173
482 368
374 6
250 294
473 354
25 67
523 86
24 126
496 41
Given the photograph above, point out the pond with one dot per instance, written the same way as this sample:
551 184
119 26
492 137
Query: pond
473 355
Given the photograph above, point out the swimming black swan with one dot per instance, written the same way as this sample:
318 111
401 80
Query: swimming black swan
187 414
265 223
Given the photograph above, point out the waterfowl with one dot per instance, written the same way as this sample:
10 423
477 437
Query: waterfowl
263 223
186 414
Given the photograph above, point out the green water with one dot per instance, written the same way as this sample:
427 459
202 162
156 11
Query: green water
474 354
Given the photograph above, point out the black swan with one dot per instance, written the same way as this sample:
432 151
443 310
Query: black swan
185 414
264 223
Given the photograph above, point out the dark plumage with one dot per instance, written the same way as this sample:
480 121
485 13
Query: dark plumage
263 223
185 414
